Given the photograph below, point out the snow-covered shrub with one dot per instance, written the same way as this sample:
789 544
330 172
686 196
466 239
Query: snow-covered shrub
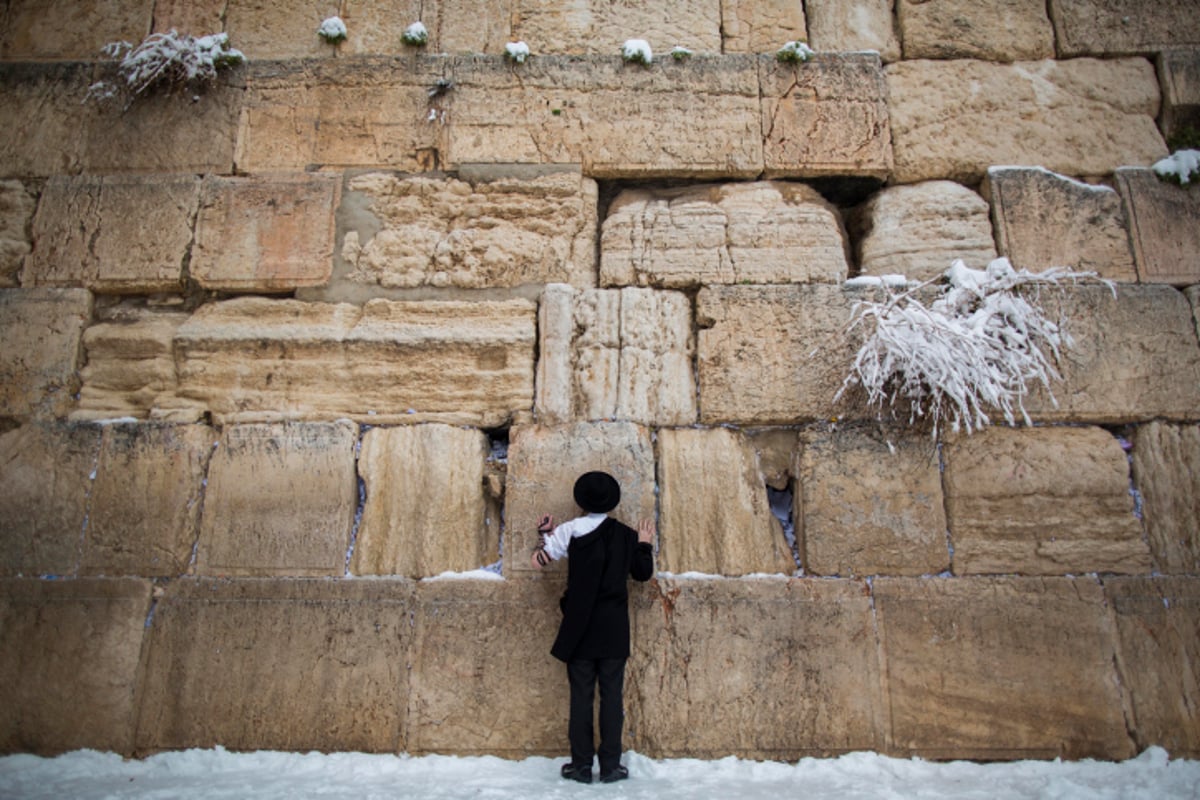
794 53
637 51
415 35
516 51
978 346
332 30
168 60
680 53
1181 167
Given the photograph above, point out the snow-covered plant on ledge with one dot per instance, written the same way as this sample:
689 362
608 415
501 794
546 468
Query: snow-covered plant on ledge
168 60
516 52
333 30
979 346
794 53
1181 167
415 35
680 53
637 51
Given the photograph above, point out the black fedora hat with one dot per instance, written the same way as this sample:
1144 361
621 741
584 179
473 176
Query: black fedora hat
597 492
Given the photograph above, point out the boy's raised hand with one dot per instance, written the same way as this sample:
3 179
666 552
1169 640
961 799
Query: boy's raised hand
646 531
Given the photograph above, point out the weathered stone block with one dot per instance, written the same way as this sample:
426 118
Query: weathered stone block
1000 668
1158 647
54 30
954 119
1045 220
765 232
265 233
615 354
278 665
766 668
1041 501
454 26
760 26
1015 30
44 118
409 232
1166 471
461 362
281 30
69 657
16 212
91 231
41 330
715 517
828 116
280 500
422 483
144 507
1179 78
1118 27
198 17
870 504
919 230
543 463
45 476
842 25
1164 226
600 27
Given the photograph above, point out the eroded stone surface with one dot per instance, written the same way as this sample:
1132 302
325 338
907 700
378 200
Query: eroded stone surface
275 31
67 29
1166 471
41 331
16 212
1115 27
1164 226
600 27
454 26
1179 77
1016 30
761 26
841 25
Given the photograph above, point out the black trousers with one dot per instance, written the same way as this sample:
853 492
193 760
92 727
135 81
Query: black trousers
583 676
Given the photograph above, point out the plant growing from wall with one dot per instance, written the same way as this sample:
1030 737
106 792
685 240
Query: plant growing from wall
1180 168
333 30
516 52
637 51
167 61
415 35
794 53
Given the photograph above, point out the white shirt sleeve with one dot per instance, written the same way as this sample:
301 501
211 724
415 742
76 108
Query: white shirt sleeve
560 539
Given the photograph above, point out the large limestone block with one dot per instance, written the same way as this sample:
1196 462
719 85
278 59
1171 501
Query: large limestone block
45 475
1158 647
760 26
920 230
54 30
482 680
113 233
601 27
41 331
841 25
265 233
195 16
1045 220
764 232
1014 30
280 500
1179 77
408 232
281 664
1166 471
16 212
1041 501
715 517
69 659
870 504
449 361
767 668
454 26
144 508
826 117
1164 226
697 118
1117 27
281 30
615 354
772 354
954 119
425 510
1000 668
543 463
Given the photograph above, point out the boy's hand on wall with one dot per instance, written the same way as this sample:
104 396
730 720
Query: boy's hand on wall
646 531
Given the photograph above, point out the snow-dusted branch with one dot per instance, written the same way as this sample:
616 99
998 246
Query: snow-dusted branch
170 60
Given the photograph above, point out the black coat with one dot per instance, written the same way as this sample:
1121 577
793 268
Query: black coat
595 606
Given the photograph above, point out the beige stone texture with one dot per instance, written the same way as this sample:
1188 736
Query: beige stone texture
422 483
615 354
461 362
144 506
278 664
921 229
113 233
769 668
41 331
543 463
699 118
280 30
954 119
1012 30
763 232
1045 220
1164 226
1166 471
197 17
715 517
601 27
1000 668
772 354
454 26
69 658
16 213
842 25
870 503
761 26
483 681
1041 501
1158 647
826 117
410 232
45 477
1179 78
36 30
280 500
1118 27
265 233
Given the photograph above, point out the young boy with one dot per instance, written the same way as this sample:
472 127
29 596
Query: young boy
593 638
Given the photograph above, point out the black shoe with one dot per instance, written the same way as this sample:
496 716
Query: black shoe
574 773
619 773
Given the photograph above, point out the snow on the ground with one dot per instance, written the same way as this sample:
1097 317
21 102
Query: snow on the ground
209 774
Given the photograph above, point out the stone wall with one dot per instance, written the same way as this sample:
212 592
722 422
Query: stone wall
286 361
